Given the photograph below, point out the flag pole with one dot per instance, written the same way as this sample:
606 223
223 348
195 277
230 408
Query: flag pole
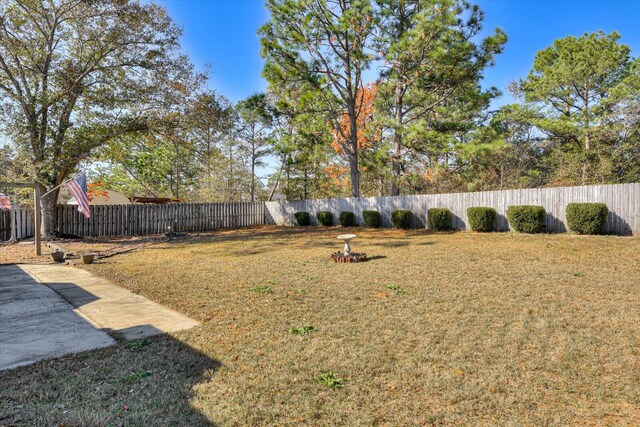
60 185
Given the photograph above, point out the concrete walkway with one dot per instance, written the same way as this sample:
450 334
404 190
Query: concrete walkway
71 314
36 323
110 307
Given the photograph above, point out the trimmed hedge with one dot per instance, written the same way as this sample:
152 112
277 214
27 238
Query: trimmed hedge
325 218
372 218
401 218
481 218
526 218
303 218
347 219
586 218
439 218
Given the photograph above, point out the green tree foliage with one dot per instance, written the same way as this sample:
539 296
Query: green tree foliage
432 66
209 125
370 97
184 160
583 94
147 165
323 43
256 120
301 141
76 74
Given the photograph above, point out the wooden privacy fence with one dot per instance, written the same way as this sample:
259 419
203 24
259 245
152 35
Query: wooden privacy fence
125 220
5 225
16 223
623 201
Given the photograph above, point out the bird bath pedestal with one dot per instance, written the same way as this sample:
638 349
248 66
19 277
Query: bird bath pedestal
347 255
347 238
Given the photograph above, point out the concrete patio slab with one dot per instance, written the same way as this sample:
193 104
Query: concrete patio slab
109 306
36 323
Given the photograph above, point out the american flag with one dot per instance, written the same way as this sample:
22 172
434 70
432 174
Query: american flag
78 188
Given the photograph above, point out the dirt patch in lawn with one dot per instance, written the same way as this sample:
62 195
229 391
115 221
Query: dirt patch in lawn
24 252
460 328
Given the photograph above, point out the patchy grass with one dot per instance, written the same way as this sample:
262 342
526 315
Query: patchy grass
330 379
492 329
262 290
302 330
138 344
397 289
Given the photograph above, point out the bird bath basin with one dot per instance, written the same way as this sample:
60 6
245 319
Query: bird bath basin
347 255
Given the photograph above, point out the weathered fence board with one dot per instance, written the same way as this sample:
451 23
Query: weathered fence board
16 223
126 220
5 225
623 201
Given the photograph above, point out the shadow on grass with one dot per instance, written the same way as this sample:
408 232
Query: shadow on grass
119 385
273 239
146 382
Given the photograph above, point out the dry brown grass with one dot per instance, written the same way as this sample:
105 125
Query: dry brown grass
489 329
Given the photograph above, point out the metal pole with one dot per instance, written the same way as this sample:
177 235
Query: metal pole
57 186
37 218
13 225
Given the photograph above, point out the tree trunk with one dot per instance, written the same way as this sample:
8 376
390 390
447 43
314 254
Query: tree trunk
49 203
587 137
275 184
397 145
253 179
355 174
585 160
395 163
304 188
353 154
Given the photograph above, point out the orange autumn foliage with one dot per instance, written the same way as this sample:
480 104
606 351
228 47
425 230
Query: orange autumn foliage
366 103
96 189
336 177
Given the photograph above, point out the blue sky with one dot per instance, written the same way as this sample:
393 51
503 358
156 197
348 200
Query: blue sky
222 33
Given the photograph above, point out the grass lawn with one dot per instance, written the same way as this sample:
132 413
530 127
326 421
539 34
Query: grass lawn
445 329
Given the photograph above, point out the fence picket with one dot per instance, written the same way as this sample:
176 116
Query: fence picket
121 220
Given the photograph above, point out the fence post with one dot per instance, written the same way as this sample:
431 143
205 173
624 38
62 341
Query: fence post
37 219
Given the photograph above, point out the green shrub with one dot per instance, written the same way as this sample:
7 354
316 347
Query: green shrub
439 218
401 218
347 219
325 218
481 219
372 218
303 218
586 218
526 219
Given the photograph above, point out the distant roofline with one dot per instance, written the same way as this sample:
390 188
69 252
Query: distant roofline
155 200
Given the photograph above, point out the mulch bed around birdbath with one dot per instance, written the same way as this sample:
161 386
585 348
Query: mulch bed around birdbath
340 257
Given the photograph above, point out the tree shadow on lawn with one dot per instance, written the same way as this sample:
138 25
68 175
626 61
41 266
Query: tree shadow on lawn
256 241
148 382
299 237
